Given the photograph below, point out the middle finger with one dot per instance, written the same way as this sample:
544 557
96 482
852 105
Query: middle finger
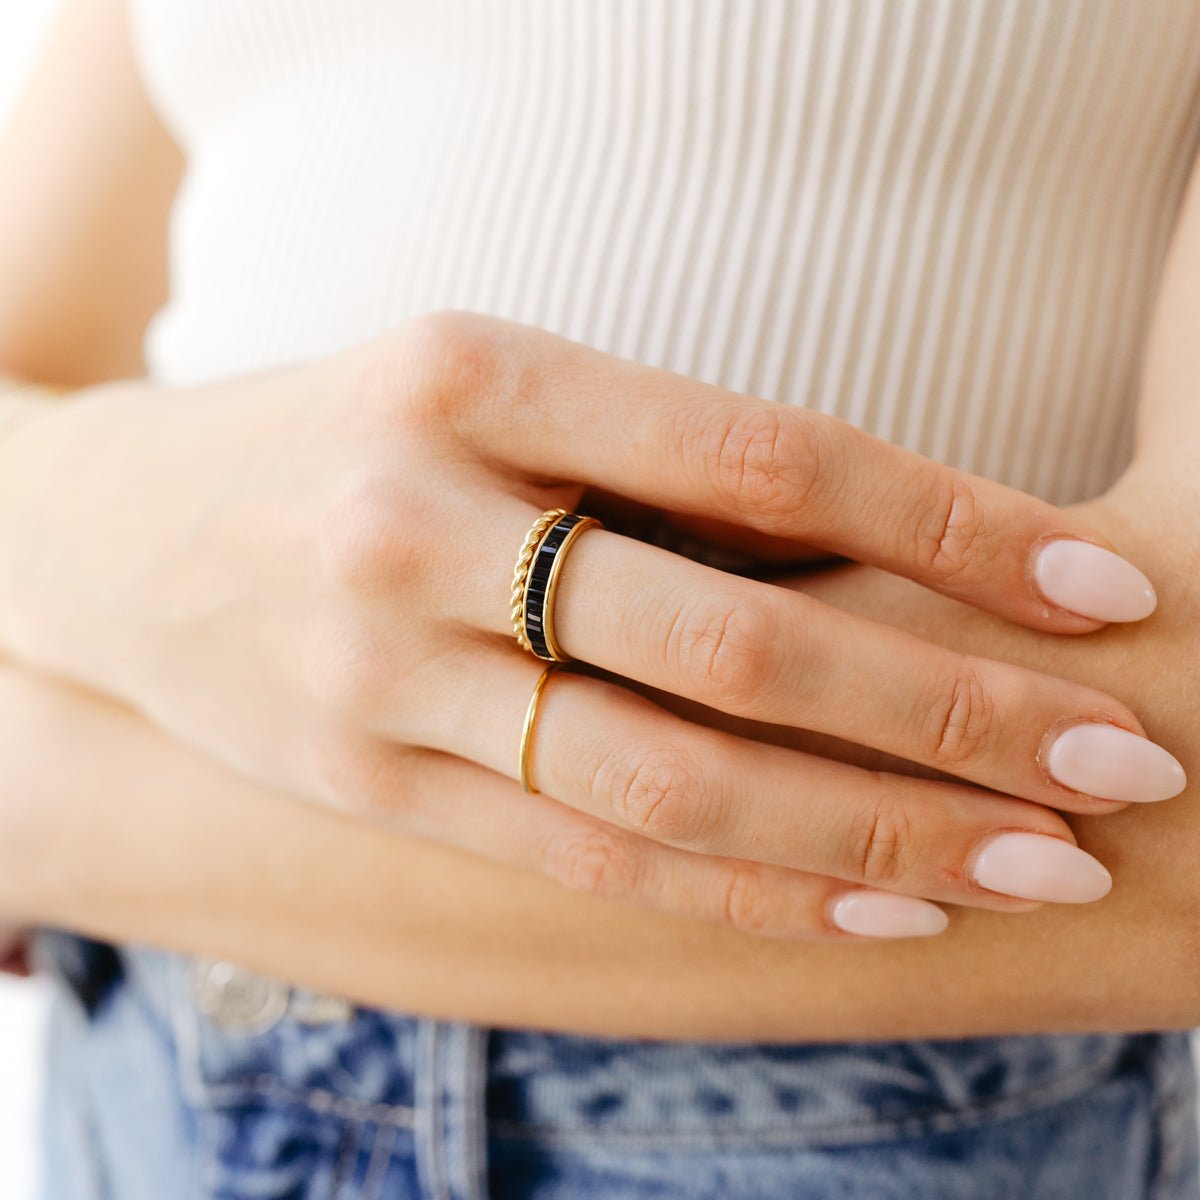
755 650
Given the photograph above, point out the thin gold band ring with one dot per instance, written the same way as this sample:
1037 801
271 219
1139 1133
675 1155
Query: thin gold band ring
527 731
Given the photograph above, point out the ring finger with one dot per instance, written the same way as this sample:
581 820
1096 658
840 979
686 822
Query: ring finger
617 756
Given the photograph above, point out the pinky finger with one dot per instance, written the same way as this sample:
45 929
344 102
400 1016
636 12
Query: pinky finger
466 805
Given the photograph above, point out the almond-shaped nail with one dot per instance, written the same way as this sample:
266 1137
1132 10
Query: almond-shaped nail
886 915
1092 582
1113 764
1034 866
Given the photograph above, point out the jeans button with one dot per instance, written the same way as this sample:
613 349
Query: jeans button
237 1000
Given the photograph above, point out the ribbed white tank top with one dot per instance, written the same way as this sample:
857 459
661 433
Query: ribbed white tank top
942 220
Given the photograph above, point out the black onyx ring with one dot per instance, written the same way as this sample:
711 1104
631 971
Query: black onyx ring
535 580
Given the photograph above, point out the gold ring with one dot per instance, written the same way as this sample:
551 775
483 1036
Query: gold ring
536 578
527 731
553 649
521 572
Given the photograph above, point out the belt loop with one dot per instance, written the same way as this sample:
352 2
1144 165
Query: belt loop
451 1117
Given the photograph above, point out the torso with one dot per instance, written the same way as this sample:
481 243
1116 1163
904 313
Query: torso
942 221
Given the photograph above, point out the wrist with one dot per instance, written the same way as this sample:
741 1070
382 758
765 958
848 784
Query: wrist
22 400
66 484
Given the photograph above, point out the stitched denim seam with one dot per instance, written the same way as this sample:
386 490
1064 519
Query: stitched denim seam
939 1119
431 1062
318 1100
474 1115
1174 1110
382 1155
205 1095
930 1120
343 1167
438 1174
206 1144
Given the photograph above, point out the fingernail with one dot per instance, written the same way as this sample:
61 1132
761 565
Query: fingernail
1113 764
1033 866
1092 582
885 915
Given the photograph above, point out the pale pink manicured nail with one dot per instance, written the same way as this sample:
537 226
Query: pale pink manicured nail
1092 581
884 915
1034 866
1113 764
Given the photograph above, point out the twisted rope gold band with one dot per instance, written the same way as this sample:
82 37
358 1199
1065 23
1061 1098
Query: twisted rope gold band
524 560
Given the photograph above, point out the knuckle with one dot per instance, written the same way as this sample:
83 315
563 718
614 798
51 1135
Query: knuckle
727 646
950 535
365 537
450 359
879 845
745 900
767 458
962 720
349 773
597 862
659 791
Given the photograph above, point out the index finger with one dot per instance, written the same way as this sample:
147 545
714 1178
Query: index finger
559 410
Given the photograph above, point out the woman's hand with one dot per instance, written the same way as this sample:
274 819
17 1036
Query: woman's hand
111 828
306 574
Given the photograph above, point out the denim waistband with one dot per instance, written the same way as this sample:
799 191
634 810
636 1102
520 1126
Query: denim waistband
240 1043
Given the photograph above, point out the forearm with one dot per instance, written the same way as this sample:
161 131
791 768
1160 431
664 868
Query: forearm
20 399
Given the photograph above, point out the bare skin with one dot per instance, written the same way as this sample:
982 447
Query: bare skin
484 941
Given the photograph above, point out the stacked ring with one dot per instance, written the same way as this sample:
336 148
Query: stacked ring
521 573
536 577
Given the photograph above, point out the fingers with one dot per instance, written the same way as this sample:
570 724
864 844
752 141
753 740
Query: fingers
466 805
774 655
553 409
620 758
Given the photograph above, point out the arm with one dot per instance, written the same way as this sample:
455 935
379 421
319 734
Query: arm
87 194
166 848
88 174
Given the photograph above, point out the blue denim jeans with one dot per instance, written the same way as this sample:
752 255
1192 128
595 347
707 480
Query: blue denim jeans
174 1079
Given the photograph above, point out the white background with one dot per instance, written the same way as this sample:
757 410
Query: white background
20 1013
22 23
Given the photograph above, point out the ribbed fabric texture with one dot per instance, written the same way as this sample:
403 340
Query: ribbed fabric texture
943 220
